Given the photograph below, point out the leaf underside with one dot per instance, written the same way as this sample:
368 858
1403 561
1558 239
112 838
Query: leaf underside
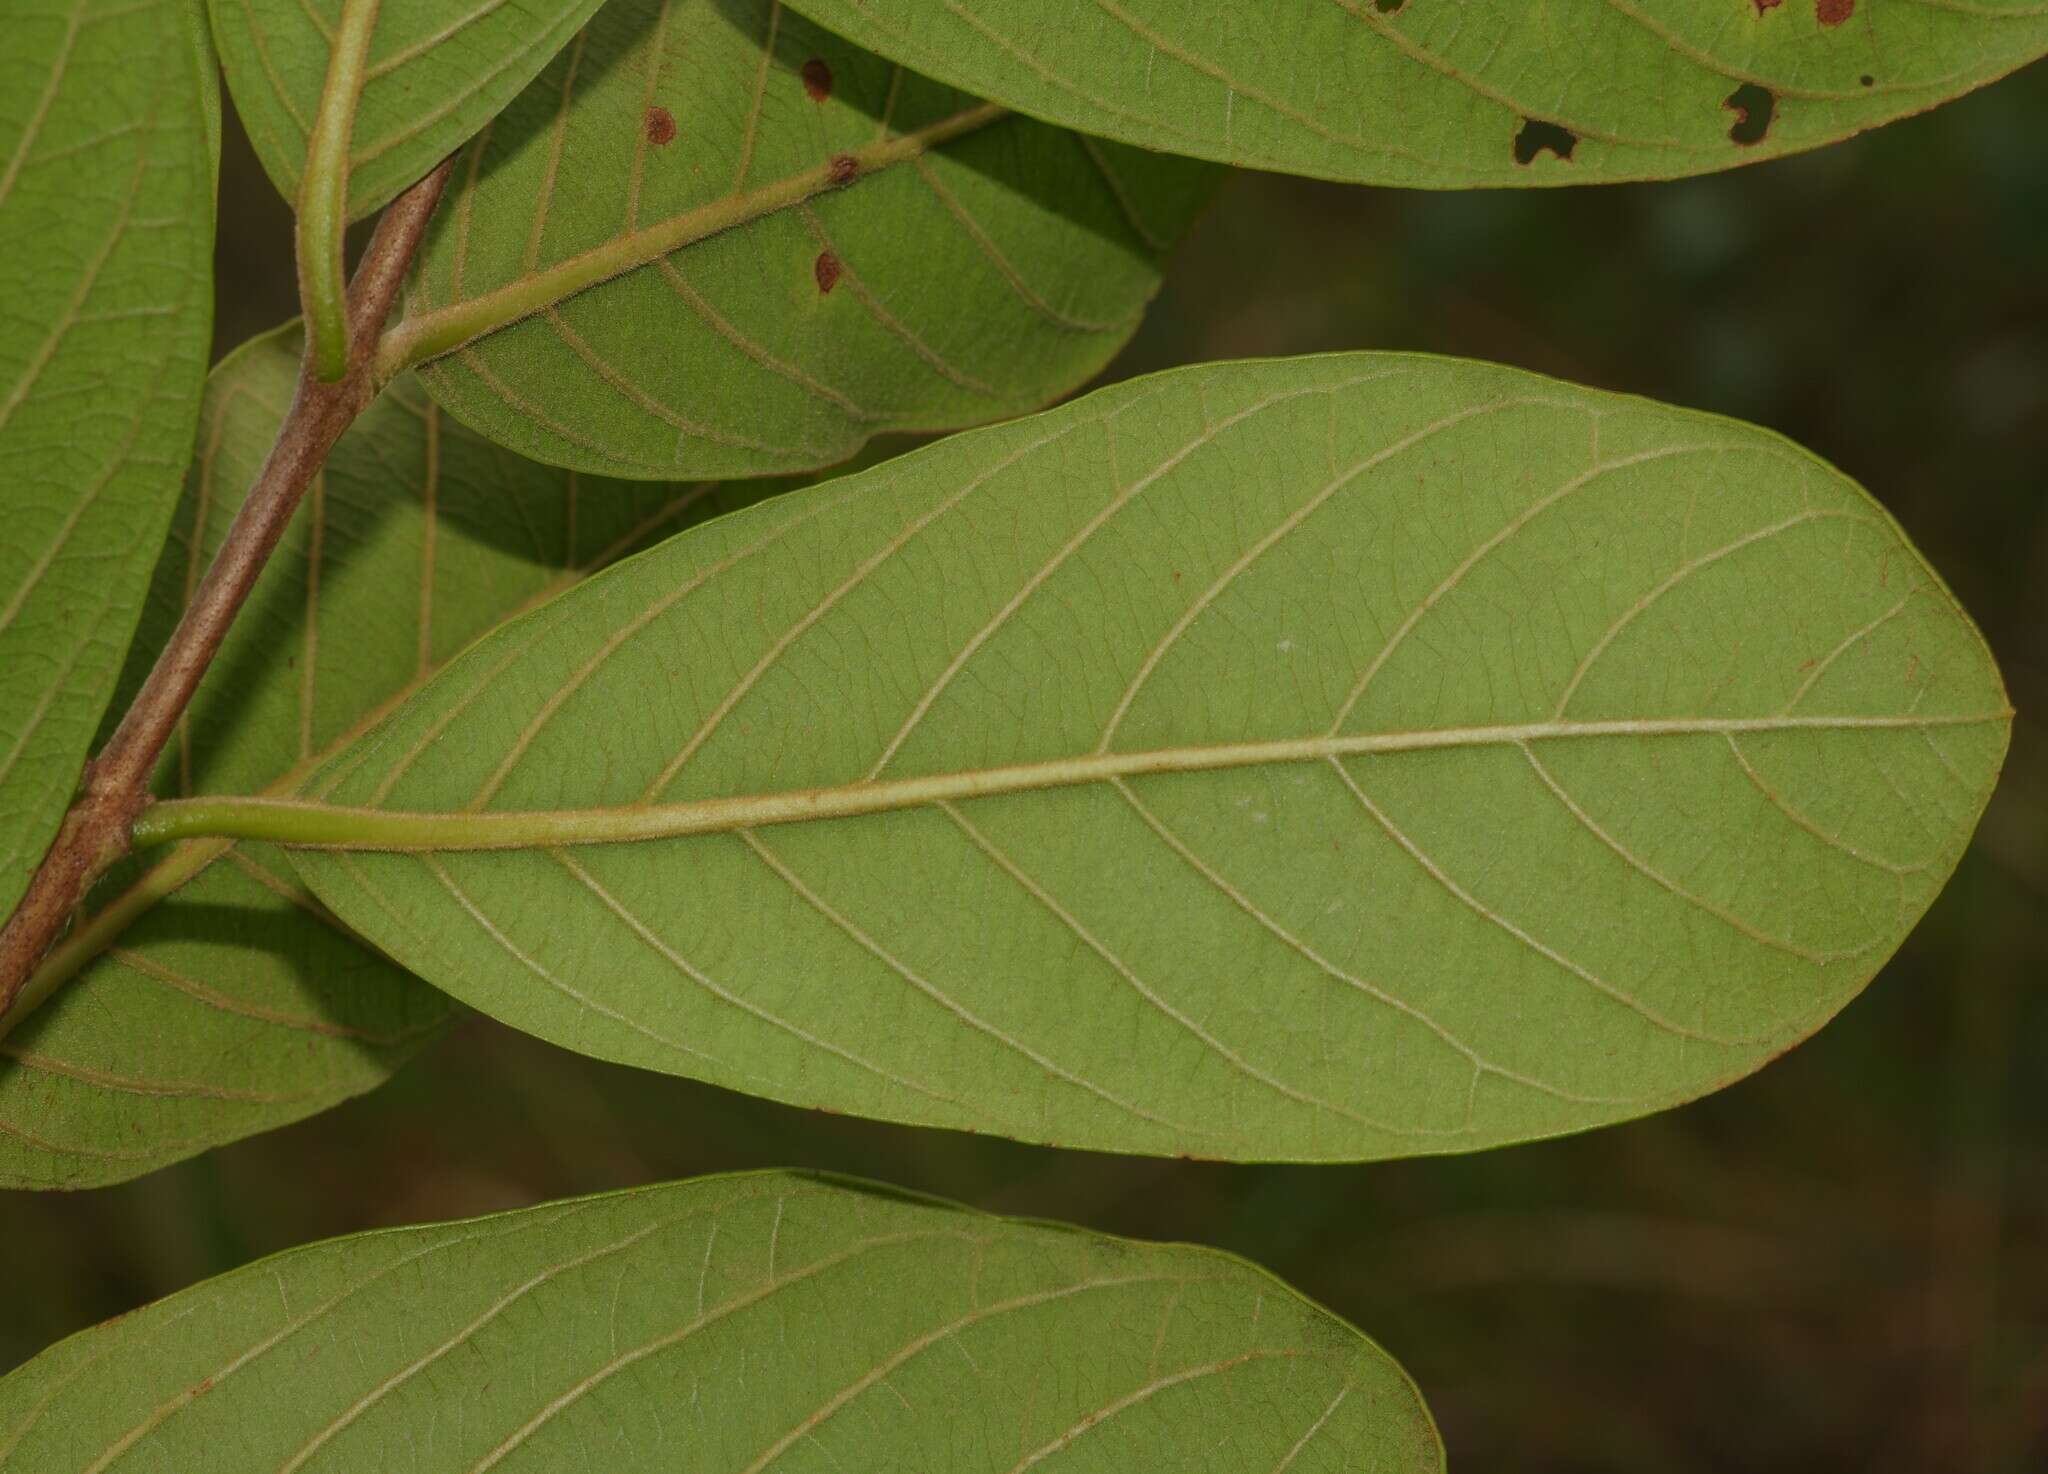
1326 759
981 278
731 1325
1452 94
438 71
106 195
230 1002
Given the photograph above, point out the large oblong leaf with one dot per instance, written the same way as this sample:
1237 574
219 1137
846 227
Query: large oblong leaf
1451 94
106 228
1331 758
209 997
730 1325
714 240
437 71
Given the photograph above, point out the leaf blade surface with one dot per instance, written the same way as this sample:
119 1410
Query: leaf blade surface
106 195
1458 94
1325 759
772 1320
436 73
712 239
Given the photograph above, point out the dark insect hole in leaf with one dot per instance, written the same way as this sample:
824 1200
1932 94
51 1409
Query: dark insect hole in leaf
817 79
1754 108
1388 7
1537 136
660 124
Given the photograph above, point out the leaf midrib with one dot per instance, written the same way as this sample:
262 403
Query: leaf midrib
431 334
316 825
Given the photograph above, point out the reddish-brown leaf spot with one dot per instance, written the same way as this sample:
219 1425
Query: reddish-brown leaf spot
817 79
1833 12
1763 5
1536 136
827 270
843 170
1754 108
660 124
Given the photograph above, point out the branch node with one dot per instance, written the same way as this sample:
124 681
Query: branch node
98 830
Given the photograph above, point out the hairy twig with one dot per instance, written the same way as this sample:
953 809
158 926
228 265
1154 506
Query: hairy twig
115 786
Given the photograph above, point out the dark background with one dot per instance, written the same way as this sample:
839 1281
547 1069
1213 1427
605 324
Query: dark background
1839 1264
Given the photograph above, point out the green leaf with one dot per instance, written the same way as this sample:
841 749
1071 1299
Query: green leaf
726 1326
436 72
210 997
106 206
713 240
1452 94
1326 759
